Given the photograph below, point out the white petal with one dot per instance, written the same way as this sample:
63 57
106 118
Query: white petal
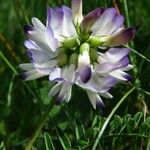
38 24
65 92
84 66
106 95
26 66
55 90
31 75
69 73
77 11
94 98
56 74
30 44
127 68
119 74
103 25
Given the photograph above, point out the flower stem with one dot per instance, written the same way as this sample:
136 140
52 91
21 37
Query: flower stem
8 63
42 122
16 73
110 116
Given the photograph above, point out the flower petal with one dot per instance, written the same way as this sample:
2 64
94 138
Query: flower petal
26 66
98 83
38 24
54 18
31 75
84 67
65 93
116 54
85 73
30 44
120 38
51 41
121 75
77 11
58 20
55 90
46 68
106 95
105 23
91 18
107 67
28 28
68 74
38 57
95 99
56 75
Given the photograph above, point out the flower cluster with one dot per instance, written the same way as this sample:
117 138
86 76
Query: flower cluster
76 49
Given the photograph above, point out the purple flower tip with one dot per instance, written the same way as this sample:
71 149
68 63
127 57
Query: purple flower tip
22 76
27 28
131 33
100 104
30 55
59 100
86 74
128 77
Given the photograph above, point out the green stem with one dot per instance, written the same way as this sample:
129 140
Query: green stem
148 144
16 73
8 63
42 122
126 12
131 44
127 135
109 117
139 54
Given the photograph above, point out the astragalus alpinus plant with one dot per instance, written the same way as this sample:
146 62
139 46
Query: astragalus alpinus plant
76 49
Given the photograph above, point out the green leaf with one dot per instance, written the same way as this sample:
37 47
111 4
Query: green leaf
116 123
130 125
34 148
144 128
44 95
148 120
137 118
80 131
48 142
96 120
2 147
64 139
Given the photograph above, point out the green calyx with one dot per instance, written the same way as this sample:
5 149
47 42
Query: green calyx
95 41
72 47
71 42
62 58
84 47
93 55
73 59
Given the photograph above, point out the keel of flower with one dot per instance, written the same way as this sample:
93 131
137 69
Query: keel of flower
72 49
84 63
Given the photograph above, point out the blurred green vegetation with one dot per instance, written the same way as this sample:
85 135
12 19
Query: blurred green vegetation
74 125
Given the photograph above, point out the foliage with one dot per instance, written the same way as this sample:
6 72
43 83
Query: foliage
74 125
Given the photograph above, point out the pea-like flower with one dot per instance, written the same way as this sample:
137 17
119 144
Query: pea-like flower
76 49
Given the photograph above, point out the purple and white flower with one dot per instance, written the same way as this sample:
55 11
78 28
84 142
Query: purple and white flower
76 49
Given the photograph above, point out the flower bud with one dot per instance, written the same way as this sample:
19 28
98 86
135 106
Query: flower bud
84 64
77 11
73 59
62 58
95 41
71 42
93 55
84 47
